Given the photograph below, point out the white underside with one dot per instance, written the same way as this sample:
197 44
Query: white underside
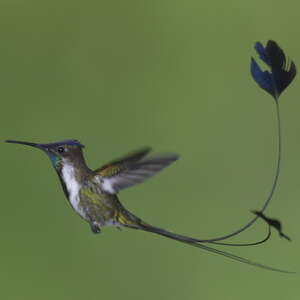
73 187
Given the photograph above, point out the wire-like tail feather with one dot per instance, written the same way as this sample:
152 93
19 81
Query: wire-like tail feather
127 219
196 243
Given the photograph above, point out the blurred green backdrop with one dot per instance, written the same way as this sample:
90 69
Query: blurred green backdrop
174 75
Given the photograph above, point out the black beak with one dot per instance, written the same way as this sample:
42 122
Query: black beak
39 146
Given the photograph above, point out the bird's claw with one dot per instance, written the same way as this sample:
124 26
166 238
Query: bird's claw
95 228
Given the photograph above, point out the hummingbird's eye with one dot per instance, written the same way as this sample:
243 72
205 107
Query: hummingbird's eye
60 149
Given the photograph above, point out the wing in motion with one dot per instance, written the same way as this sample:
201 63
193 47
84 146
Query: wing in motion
131 170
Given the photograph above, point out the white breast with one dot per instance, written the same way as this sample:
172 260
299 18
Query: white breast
73 187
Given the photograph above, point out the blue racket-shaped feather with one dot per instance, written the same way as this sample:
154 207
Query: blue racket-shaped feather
282 70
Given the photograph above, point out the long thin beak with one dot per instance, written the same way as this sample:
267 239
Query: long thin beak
26 143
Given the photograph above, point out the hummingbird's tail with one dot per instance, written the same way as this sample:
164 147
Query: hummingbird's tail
194 242
129 220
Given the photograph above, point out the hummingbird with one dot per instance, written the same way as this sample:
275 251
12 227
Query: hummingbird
93 194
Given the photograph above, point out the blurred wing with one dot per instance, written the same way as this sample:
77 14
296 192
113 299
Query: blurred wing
114 166
130 171
282 72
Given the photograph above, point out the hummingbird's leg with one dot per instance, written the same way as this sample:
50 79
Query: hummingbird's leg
95 227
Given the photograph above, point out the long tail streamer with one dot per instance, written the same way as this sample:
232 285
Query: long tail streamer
281 74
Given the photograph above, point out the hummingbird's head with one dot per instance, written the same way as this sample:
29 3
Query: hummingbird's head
66 151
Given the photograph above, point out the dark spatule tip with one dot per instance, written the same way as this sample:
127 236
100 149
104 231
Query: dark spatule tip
283 70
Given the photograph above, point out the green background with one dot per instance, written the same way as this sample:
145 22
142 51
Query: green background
118 75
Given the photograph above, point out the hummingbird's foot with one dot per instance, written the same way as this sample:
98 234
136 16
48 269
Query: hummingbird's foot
95 227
